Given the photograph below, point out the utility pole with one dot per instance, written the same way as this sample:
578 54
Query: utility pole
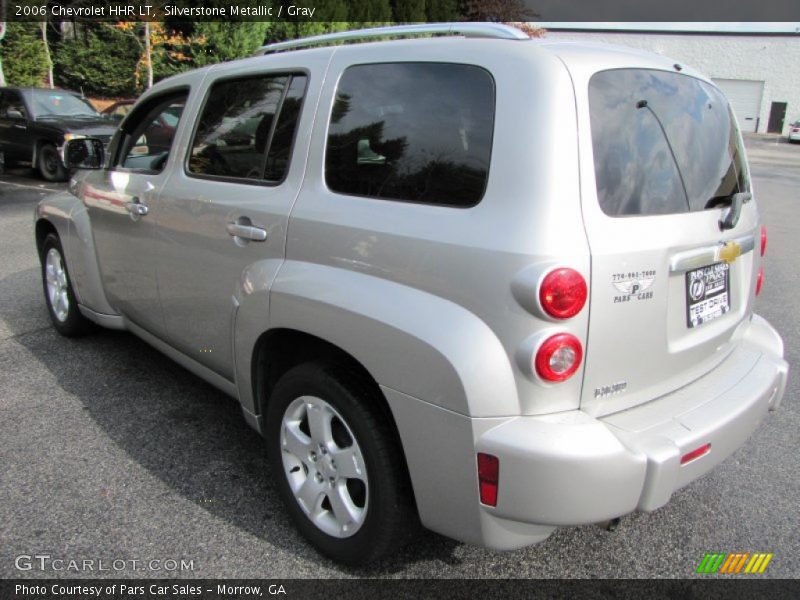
148 54
48 58
2 35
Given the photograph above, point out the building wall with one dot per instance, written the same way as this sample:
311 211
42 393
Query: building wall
775 60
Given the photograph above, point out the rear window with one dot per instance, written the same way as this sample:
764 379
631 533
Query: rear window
663 142
420 132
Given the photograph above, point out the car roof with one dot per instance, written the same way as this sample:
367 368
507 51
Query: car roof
581 55
12 88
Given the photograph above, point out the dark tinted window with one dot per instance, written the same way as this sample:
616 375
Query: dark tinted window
663 143
412 131
12 101
280 147
149 133
247 128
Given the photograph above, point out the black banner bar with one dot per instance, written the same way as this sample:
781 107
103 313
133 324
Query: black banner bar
319 11
395 589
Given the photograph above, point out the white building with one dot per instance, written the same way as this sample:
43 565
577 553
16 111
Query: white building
759 71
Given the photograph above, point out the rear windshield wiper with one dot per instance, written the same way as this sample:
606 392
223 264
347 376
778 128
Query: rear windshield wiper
726 200
734 201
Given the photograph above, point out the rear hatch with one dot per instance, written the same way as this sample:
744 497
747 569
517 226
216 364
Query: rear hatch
668 164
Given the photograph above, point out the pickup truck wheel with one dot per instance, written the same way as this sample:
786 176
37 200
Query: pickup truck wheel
49 164
340 470
58 294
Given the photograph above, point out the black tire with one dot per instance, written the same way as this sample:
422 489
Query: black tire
68 321
390 514
49 164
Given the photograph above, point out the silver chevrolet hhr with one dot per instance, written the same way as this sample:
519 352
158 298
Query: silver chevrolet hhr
491 284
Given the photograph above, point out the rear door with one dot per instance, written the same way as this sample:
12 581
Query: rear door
222 223
663 164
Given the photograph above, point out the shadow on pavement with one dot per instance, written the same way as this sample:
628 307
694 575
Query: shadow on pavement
176 426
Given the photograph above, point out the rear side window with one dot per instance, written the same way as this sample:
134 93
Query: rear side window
420 132
663 142
247 128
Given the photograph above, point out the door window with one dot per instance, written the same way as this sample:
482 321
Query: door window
247 128
12 103
149 133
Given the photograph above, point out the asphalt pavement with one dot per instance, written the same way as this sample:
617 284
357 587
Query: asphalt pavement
109 451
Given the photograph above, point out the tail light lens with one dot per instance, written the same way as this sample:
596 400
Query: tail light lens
696 453
488 478
759 280
763 240
563 293
558 357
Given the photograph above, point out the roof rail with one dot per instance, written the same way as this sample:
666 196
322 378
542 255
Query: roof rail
473 30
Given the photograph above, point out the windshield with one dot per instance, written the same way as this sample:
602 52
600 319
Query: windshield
53 103
663 142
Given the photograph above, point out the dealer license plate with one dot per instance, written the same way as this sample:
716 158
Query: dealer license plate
707 294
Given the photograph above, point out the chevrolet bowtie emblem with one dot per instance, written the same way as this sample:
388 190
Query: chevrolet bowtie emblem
730 252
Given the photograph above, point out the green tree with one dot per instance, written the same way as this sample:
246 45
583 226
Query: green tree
228 40
24 57
441 10
333 12
371 11
98 58
285 30
502 11
186 46
410 11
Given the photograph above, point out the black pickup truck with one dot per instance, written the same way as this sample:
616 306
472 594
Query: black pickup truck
35 123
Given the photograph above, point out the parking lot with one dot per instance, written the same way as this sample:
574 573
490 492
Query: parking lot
111 451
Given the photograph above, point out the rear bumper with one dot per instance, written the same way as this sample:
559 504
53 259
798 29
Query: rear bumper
570 468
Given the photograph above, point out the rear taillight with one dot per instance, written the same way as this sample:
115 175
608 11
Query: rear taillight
563 293
760 276
488 478
558 357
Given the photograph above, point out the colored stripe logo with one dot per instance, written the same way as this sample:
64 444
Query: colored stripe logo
731 564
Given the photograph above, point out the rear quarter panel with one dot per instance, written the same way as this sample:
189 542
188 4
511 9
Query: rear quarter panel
425 293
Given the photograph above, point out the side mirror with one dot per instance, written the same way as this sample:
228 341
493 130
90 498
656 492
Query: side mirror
84 153
13 113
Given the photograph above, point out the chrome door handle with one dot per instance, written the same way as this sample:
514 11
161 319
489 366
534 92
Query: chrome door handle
247 232
136 208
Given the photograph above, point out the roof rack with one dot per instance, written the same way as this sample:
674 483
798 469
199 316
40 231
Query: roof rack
471 30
